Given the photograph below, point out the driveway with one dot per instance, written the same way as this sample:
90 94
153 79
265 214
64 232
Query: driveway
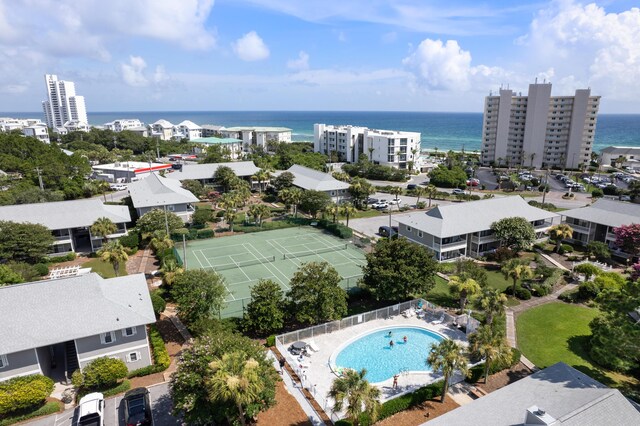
369 226
161 406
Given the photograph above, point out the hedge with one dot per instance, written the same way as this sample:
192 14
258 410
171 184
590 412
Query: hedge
24 393
161 359
48 408
121 387
158 303
132 240
401 403
41 269
337 229
205 233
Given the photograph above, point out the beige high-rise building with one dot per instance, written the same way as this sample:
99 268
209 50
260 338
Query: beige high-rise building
539 130
62 104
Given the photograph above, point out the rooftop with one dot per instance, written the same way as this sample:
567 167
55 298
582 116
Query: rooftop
565 394
71 308
473 216
256 129
621 150
215 141
65 214
310 179
607 212
132 166
163 123
206 171
189 125
156 191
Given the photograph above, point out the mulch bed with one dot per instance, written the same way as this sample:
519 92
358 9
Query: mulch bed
172 337
421 413
504 378
286 412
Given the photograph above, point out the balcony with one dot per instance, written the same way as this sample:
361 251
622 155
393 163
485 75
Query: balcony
456 244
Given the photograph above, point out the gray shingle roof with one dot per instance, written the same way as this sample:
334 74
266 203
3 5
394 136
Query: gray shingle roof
473 216
607 212
154 191
566 394
43 313
206 171
310 179
621 150
65 214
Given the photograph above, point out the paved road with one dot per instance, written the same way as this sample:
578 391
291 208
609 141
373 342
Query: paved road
161 406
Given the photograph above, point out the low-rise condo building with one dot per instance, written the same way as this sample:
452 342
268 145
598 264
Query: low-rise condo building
157 192
161 129
72 321
70 222
123 124
621 156
187 130
597 221
309 179
387 147
205 172
464 230
539 130
127 171
31 127
234 147
256 136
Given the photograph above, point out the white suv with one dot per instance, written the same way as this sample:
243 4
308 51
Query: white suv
91 410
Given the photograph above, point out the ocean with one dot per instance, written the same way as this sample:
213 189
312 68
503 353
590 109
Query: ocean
442 130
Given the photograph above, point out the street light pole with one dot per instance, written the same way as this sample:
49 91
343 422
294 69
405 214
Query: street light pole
546 185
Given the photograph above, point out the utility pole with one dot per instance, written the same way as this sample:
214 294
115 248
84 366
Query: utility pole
166 221
157 149
546 185
40 179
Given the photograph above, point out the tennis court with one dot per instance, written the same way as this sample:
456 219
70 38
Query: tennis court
276 255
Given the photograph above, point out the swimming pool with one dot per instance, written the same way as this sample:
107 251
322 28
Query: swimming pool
374 353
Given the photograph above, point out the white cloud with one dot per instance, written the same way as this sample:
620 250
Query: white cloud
133 72
330 77
250 47
588 47
301 63
160 76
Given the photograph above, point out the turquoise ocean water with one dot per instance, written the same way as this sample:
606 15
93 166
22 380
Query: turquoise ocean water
443 130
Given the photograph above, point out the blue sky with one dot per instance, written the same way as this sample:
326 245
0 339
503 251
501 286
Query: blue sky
396 55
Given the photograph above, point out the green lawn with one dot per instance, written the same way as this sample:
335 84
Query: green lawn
560 332
104 269
496 280
440 293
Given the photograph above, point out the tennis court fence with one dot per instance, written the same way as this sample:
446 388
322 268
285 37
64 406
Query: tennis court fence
313 252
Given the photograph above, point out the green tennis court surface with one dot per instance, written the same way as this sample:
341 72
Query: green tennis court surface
275 255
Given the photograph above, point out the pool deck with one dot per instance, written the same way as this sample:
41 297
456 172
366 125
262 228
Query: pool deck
317 376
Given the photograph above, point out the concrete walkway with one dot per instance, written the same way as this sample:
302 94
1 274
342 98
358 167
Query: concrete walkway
552 260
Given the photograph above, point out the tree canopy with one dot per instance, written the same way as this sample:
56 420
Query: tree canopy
265 311
514 232
314 201
191 383
26 242
445 177
199 294
398 269
283 181
315 295
628 238
154 220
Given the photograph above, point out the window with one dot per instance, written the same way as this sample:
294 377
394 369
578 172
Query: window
409 228
3 361
107 338
171 207
419 234
129 331
133 357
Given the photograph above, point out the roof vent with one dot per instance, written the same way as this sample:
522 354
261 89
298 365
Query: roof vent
538 416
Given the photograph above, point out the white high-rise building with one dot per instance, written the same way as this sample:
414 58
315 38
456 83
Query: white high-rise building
539 130
387 147
62 104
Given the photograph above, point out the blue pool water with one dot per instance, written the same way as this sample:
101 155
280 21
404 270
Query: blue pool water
373 352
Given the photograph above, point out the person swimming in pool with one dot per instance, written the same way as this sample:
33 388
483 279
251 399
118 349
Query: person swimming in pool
405 339
391 344
389 334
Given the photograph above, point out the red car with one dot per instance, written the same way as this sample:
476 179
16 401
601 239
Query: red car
473 182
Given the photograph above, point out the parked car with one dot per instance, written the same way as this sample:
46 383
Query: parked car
91 410
503 178
412 186
137 409
395 201
380 205
118 186
457 191
386 231
371 200
625 198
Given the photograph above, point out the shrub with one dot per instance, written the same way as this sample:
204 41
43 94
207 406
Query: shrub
132 240
523 293
597 193
541 290
48 408
565 248
502 254
569 296
104 373
421 204
271 340
41 269
588 291
205 233
24 393
220 213
161 359
158 303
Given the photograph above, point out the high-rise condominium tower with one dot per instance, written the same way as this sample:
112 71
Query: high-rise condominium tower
539 130
62 104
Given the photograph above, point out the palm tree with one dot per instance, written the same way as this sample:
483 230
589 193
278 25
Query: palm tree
493 303
229 217
236 379
333 210
396 191
532 156
259 212
262 176
464 288
228 201
420 191
431 192
160 242
516 270
559 233
371 149
347 210
358 392
170 269
447 357
490 345
103 227
113 252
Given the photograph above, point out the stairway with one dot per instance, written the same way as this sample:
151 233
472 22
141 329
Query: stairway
71 357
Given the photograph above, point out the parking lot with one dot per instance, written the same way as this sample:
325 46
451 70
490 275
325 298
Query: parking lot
159 398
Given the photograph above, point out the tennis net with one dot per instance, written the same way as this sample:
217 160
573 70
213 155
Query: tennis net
317 251
245 263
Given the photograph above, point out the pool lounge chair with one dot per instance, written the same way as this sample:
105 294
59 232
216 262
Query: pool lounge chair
313 347
439 320
408 313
